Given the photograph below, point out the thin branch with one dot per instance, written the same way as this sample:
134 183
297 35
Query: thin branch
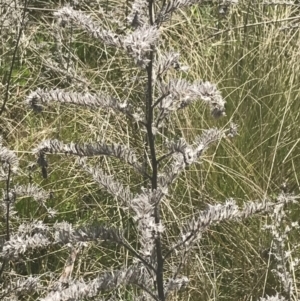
163 157
7 198
137 255
176 246
159 100
148 291
6 95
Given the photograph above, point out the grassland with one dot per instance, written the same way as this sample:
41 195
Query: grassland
252 55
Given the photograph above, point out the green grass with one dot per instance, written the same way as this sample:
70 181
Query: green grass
257 72
256 66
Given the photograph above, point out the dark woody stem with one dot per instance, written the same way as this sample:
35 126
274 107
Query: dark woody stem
154 163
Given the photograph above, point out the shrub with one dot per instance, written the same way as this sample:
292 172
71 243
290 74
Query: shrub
156 157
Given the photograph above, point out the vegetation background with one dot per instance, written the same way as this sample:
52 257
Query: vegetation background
251 51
